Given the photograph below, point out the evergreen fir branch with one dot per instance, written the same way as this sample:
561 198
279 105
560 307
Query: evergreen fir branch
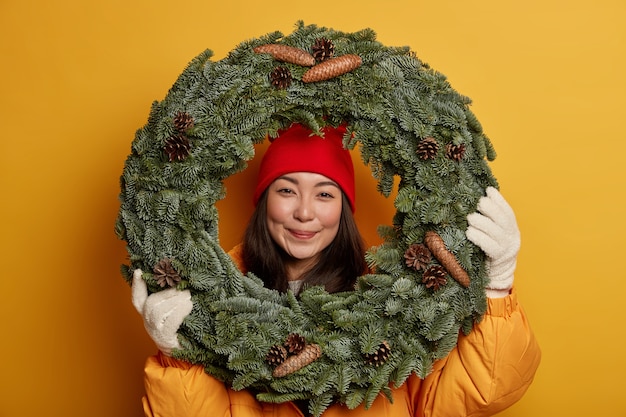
340 348
352 321
405 367
326 381
394 307
345 376
406 199
371 336
355 398
379 382
272 397
385 258
441 324
253 286
403 288
319 403
242 380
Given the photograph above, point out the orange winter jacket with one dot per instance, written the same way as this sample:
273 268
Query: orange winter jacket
488 370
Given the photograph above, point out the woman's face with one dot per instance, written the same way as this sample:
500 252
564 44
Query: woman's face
303 213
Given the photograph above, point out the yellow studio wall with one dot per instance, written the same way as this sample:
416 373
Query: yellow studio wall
78 79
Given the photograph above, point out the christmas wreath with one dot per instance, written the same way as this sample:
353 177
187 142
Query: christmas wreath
427 281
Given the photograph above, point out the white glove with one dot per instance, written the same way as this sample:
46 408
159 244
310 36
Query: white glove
163 312
494 229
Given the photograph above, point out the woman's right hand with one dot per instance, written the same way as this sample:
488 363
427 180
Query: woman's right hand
163 312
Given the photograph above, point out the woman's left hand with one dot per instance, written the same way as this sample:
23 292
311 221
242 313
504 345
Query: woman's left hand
494 229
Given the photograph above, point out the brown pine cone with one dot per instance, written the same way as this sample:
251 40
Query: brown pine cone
177 147
276 355
427 148
296 362
287 53
295 343
437 246
165 274
183 121
332 68
455 152
323 49
417 256
280 77
434 277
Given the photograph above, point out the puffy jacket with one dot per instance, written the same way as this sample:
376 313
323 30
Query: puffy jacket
488 370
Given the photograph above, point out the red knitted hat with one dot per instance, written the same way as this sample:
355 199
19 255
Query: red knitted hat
296 150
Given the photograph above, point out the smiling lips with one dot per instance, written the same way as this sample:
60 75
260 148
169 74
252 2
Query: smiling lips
302 234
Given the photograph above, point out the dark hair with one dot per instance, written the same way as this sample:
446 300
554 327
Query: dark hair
340 263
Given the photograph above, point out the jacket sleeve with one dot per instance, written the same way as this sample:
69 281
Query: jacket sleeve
177 388
489 370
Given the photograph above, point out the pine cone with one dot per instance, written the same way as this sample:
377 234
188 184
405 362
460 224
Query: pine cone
437 247
323 49
276 355
165 274
296 362
287 53
427 148
280 77
295 343
417 256
177 147
332 68
183 121
434 277
380 356
455 152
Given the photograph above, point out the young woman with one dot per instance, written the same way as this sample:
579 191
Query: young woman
303 233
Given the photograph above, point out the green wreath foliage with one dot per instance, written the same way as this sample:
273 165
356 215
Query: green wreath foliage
391 103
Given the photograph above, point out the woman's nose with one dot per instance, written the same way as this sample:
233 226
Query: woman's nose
304 212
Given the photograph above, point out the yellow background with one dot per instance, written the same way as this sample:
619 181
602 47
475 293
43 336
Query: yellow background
78 78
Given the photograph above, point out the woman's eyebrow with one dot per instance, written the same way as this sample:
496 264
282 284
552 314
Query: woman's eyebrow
319 184
325 183
287 178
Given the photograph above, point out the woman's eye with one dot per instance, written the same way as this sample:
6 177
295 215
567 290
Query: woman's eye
326 195
285 190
